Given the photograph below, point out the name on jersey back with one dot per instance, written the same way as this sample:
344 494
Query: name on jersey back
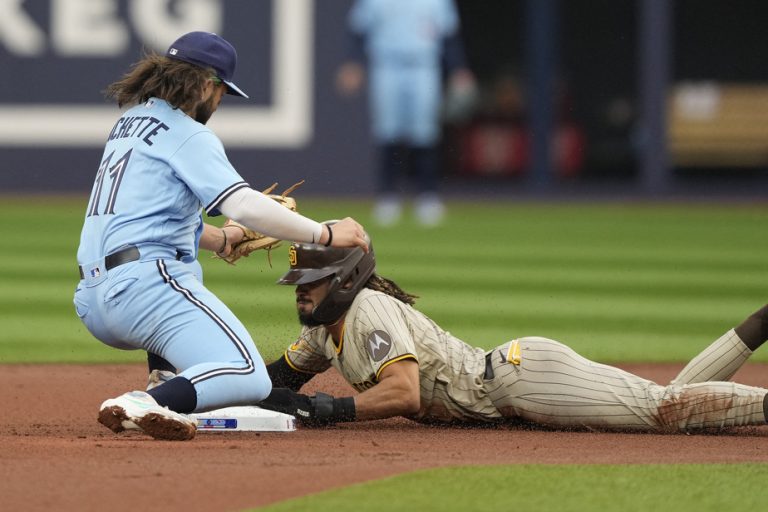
141 127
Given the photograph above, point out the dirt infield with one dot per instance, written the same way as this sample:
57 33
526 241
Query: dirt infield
55 456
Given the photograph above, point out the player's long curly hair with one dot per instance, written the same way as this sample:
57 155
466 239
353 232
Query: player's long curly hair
384 285
177 82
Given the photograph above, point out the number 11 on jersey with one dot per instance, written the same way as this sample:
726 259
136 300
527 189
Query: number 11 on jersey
116 175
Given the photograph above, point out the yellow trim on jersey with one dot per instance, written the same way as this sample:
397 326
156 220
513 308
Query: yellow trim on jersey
513 354
399 358
293 366
340 346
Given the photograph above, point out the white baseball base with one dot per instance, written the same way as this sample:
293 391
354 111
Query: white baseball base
244 419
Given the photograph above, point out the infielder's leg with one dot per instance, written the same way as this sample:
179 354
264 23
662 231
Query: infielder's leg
155 362
423 93
543 381
422 133
722 359
385 112
210 346
175 317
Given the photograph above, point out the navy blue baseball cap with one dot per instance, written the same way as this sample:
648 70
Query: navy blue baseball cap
208 50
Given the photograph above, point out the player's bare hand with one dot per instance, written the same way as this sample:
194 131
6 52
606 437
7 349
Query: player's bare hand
347 233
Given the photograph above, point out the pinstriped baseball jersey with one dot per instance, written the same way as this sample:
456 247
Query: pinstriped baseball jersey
531 378
380 330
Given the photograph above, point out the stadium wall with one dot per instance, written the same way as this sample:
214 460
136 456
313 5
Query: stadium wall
59 55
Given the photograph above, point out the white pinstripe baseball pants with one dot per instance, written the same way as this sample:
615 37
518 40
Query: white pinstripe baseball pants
546 382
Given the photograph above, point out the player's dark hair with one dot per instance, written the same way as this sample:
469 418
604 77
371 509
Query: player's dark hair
384 285
177 82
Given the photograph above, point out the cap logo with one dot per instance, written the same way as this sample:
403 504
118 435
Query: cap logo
379 345
292 258
173 51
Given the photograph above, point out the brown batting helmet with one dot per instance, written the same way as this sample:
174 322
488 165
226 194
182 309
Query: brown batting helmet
312 262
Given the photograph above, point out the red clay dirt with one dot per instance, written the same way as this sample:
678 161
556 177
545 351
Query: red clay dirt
55 456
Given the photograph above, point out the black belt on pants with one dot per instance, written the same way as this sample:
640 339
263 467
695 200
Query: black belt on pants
127 255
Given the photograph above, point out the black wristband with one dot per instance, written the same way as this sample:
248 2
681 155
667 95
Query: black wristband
330 236
344 409
224 243
329 410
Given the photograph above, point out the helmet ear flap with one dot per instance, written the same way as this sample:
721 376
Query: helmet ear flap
338 299
328 309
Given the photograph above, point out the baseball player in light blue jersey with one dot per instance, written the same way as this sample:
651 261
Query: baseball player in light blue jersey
406 43
141 284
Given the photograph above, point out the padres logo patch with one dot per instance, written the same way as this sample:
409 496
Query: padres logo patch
292 256
379 344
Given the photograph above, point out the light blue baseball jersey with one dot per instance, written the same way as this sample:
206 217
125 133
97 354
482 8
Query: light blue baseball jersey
159 169
404 29
404 43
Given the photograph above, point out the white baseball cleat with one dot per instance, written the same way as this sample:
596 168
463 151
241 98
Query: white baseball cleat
137 409
157 377
387 211
430 210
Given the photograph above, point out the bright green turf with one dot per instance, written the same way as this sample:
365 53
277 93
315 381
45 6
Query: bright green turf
617 283
562 488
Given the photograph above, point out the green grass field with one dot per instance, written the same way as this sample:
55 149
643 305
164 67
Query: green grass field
616 282
561 488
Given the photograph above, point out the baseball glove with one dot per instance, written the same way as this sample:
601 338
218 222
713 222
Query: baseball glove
253 240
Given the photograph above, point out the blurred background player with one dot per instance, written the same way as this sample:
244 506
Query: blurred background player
408 44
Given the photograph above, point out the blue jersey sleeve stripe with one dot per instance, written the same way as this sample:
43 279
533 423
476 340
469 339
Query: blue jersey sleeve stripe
212 209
